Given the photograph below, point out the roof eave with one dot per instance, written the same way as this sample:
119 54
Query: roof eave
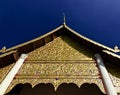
28 42
89 40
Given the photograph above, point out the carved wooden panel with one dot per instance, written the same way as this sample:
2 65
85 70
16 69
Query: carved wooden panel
62 48
59 69
59 61
4 71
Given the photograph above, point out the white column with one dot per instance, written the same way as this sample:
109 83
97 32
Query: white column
105 76
8 79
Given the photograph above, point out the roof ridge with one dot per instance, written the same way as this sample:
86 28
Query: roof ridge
40 37
92 41
56 29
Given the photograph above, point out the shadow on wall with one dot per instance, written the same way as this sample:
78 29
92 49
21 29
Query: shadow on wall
63 89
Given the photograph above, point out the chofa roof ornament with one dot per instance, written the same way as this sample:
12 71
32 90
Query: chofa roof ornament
3 49
116 49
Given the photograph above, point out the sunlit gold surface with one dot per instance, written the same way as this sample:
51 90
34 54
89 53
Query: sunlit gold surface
114 73
4 71
57 82
60 61
65 68
62 48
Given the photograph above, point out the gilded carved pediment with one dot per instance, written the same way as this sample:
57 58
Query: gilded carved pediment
60 61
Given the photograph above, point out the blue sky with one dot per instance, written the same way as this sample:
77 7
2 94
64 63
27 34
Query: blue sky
23 20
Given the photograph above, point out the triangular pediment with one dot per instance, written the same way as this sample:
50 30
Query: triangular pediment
62 48
60 56
62 60
15 52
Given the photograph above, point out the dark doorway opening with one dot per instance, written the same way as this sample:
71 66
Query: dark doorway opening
63 89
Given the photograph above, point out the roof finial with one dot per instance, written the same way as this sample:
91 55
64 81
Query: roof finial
3 49
64 19
116 49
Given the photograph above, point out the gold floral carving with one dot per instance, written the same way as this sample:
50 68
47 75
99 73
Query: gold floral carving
65 68
4 71
56 83
61 61
62 48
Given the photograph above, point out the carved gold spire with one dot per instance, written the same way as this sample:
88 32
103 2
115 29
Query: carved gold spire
64 19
